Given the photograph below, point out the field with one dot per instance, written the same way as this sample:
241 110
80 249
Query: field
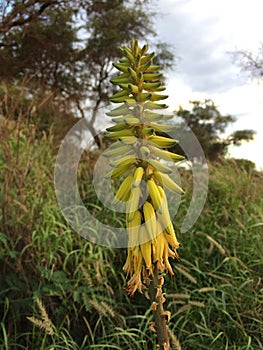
59 291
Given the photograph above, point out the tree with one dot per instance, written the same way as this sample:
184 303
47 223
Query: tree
250 62
37 55
65 49
111 24
21 13
207 124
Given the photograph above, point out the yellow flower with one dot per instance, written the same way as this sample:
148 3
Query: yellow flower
135 154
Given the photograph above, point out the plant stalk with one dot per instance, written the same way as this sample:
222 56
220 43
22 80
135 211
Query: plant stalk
157 299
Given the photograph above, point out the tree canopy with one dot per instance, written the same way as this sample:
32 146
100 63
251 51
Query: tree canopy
63 50
208 125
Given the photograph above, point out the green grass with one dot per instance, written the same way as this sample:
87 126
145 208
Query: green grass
215 297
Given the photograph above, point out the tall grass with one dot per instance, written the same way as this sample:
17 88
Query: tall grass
52 274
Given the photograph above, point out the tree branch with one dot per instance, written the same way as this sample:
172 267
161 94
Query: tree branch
10 21
89 125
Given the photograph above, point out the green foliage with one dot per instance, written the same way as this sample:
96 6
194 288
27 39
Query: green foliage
50 43
215 297
223 254
62 51
207 123
241 135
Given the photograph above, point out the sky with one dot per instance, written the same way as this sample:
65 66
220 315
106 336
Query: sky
202 34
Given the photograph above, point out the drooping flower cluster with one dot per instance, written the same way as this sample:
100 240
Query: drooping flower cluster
136 155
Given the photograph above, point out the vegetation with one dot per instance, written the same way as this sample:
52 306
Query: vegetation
135 155
60 291
72 45
215 296
208 124
250 62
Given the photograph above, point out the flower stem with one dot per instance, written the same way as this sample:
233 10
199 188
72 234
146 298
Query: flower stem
157 299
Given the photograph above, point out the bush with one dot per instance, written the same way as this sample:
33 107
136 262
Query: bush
215 297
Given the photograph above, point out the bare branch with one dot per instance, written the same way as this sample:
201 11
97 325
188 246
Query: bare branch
250 62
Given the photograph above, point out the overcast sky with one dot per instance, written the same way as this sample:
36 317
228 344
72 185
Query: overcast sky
202 33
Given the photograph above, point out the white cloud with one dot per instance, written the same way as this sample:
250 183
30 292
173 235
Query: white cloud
202 33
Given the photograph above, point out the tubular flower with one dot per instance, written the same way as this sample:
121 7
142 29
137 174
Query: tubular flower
135 155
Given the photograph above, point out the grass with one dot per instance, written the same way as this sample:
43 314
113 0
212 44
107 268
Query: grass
52 274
